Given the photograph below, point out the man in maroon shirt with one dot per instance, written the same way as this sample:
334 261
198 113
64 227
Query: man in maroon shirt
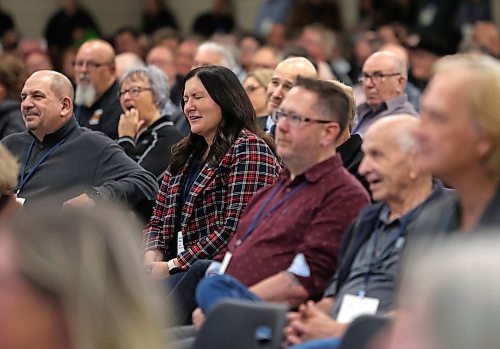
285 248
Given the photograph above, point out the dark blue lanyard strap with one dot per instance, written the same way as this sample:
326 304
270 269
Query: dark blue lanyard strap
25 177
78 112
259 215
375 261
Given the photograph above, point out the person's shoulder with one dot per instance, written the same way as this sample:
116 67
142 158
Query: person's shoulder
246 138
401 104
14 139
96 138
166 128
429 220
343 180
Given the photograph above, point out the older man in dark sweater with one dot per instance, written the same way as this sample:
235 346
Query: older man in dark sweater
70 164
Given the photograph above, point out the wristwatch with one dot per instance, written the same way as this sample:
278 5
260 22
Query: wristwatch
172 268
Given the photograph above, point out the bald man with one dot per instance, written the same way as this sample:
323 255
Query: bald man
383 77
67 163
284 78
371 249
96 100
413 93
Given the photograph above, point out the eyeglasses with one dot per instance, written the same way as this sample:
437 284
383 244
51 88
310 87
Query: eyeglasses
251 88
133 91
376 77
294 119
91 66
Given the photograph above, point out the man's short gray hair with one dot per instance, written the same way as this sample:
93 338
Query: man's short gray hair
227 57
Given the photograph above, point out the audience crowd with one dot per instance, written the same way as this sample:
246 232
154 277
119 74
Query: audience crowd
350 173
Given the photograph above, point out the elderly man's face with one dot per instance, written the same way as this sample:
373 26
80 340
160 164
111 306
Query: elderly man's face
381 80
43 112
449 140
281 82
94 65
385 165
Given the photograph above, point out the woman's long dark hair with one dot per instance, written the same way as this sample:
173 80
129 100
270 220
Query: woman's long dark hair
237 113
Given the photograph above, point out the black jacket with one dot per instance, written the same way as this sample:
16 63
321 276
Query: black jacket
11 119
153 147
364 226
104 114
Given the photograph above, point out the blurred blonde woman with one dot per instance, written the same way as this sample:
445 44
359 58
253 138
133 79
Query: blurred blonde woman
255 85
74 280
9 170
449 297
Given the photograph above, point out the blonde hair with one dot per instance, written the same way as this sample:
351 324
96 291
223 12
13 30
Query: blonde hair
263 76
457 282
90 262
484 100
350 97
9 170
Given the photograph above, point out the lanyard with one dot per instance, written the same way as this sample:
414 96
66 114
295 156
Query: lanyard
78 112
277 205
24 177
396 242
448 220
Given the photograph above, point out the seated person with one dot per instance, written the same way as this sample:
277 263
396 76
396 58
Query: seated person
74 279
372 246
8 180
285 247
213 173
144 133
70 164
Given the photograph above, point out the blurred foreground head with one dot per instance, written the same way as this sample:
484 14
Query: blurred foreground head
449 295
9 170
74 279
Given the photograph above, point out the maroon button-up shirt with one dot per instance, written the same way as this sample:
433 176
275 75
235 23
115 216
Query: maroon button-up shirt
311 221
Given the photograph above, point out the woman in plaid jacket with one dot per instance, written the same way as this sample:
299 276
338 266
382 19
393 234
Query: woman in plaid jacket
213 174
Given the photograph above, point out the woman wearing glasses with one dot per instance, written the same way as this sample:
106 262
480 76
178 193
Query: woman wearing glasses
213 174
255 85
144 133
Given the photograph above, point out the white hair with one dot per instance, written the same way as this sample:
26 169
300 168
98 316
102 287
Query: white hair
227 57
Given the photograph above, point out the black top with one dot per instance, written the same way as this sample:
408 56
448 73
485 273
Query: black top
352 155
208 24
11 119
61 26
162 19
104 114
152 148
6 22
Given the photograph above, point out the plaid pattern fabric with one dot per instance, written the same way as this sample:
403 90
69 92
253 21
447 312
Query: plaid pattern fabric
215 202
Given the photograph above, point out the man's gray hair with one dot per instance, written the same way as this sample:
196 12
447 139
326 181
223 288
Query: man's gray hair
158 82
227 57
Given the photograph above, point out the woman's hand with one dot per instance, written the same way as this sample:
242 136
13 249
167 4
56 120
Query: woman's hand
129 124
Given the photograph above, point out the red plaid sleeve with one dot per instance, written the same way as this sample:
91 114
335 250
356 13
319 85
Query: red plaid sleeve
252 166
154 237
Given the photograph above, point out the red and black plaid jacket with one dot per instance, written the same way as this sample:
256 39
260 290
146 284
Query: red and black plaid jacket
215 202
